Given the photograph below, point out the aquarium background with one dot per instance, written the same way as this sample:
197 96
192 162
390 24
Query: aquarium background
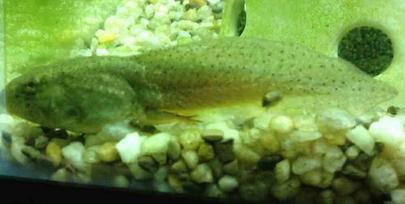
44 31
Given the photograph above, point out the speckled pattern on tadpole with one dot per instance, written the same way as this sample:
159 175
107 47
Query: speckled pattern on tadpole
232 70
84 94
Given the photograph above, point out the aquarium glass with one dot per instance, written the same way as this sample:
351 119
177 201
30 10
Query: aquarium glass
238 100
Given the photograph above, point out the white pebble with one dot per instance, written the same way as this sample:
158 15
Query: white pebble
305 136
335 120
388 130
282 124
129 148
361 138
157 146
73 153
228 183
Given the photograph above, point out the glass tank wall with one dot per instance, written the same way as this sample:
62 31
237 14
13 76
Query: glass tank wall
258 100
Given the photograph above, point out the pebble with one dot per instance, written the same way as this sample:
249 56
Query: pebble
304 164
327 197
361 138
217 168
61 175
228 183
41 142
138 172
286 190
312 178
202 174
333 160
282 124
382 175
175 183
253 191
214 191
333 120
268 162
212 135
352 152
282 171
179 167
16 147
174 150
270 142
398 196
190 158
90 155
224 151
353 172
388 130
190 139
304 136
231 168
344 186
148 163
107 152
161 174
229 132
73 153
157 146
246 156
129 148
54 153
205 152
262 121
120 181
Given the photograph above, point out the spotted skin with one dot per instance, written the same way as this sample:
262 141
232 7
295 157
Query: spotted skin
84 94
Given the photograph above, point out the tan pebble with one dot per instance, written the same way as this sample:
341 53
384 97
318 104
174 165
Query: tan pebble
107 152
54 153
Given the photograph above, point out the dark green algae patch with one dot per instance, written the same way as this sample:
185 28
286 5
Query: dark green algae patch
368 48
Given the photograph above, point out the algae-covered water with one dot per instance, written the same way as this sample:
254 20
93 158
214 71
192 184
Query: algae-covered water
258 100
